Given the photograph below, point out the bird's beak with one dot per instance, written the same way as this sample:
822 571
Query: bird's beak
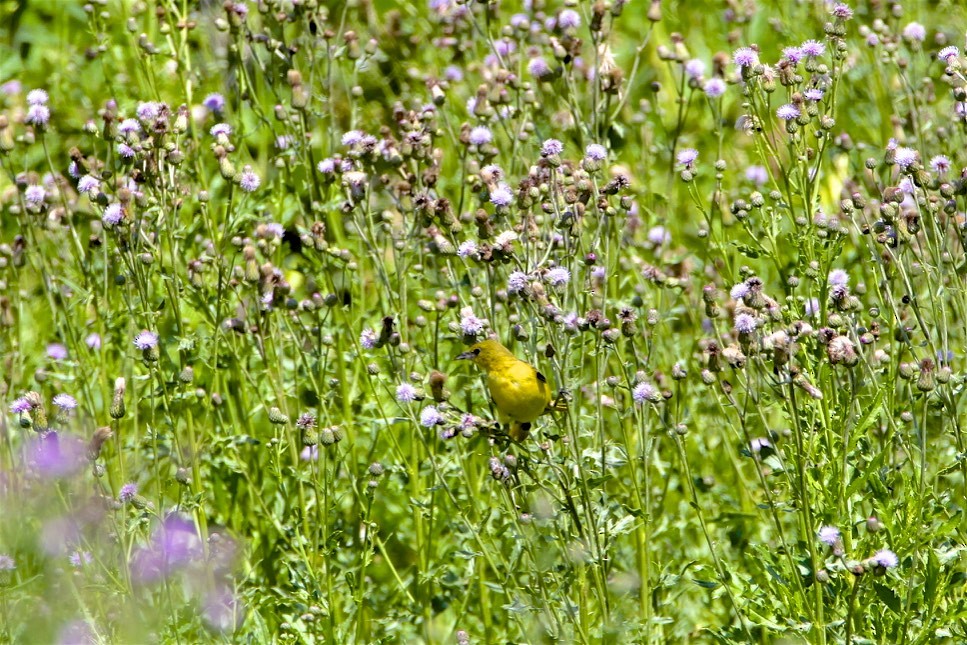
466 356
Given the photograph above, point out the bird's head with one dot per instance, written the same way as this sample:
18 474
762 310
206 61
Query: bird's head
486 354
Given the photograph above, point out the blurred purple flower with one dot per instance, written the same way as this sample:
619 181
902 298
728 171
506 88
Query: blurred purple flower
76 632
309 453
93 341
214 102
223 610
714 87
57 456
174 545
57 351
21 405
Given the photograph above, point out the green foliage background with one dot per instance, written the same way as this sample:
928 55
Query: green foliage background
619 522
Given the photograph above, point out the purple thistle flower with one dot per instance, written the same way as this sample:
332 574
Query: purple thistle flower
21 405
813 94
596 152
467 249
745 57
940 164
885 558
838 278
248 180
93 341
551 147
88 184
353 138
792 54
517 282
659 236
501 195
828 535
905 157
453 73
220 130
128 492
148 111
645 392
842 11
469 323
686 157
125 151
64 402
812 48
569 18
7 563
788 112
129 126
368 338
146 340
557 277
327 166
113 214
37 97
538 68
739 291
480 136
430 417
504 47
214 102
34 195
915 32
714 87
695 69
745 323
57 352
38 115
945 54
405 393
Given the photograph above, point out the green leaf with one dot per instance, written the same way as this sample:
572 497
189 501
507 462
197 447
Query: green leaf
888 597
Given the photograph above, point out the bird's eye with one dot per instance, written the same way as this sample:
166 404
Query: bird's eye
476 352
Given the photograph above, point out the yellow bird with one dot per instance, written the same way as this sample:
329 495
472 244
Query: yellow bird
520 392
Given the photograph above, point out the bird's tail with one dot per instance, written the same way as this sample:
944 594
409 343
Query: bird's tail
519 431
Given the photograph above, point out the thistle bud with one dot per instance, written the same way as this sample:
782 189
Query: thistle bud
100 437
277 417
925 382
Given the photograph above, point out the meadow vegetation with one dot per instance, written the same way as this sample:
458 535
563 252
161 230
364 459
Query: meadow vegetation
242 244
